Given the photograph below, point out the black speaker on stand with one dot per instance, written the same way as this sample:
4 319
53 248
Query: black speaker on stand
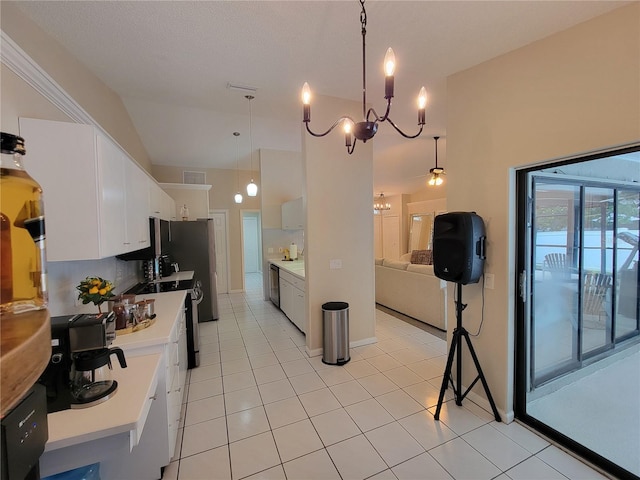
458 256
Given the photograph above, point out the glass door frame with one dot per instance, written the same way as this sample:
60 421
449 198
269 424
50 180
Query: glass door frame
522 282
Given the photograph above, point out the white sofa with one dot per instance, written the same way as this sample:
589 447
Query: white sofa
413 290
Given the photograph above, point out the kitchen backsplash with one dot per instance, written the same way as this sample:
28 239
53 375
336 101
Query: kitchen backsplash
63 277
276 239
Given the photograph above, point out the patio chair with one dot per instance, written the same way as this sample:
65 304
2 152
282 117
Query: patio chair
556 265
594 300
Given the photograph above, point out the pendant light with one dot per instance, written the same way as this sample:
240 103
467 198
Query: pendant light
238 196
252 188
436 172
367 128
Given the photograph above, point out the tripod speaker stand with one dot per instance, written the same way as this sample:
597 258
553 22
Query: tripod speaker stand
456 347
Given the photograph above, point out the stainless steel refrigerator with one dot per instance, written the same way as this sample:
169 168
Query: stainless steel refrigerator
192 246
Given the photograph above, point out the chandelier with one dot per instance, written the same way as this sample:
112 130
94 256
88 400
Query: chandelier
367 128
381 204
436 172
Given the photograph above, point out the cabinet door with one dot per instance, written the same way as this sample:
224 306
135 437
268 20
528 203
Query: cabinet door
300 317
61 158
293 215
286 297
136 206
156 199
111 166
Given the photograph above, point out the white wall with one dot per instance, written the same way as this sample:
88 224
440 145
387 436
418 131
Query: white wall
339 190
573 92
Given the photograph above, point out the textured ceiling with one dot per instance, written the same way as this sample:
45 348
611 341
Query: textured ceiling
171 61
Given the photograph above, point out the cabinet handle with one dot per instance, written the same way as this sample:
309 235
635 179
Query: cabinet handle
177 364
179 389
126 243
155 397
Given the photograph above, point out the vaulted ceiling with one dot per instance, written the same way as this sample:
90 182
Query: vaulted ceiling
171 63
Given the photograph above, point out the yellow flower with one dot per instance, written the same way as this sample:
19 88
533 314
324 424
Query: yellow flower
102 291
93 290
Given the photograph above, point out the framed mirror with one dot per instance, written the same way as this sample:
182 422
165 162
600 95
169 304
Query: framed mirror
421 231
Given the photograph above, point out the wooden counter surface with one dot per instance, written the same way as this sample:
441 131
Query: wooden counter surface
25 350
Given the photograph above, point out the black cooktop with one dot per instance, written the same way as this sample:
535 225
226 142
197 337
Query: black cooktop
144 288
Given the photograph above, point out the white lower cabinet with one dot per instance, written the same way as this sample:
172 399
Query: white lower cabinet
169 394
292 299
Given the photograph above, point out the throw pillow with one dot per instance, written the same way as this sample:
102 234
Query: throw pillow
422 257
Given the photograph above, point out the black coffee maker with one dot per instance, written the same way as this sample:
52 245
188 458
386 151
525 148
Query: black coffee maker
79 372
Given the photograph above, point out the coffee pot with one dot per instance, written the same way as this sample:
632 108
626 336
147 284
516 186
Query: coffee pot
91 381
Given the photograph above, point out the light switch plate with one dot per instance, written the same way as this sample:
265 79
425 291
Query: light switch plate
335 264
489 281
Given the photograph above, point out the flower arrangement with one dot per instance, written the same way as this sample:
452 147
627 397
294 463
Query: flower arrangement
96 290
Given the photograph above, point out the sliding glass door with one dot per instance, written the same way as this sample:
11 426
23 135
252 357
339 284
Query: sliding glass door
578 318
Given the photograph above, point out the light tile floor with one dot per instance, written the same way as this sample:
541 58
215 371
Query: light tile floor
259 408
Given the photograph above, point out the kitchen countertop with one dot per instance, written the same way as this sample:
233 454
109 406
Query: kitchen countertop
177 276
136 383
125 412
167 305
294 267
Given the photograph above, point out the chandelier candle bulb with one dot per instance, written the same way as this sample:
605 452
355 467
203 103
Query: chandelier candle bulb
347 133
306 102
422 105
389 68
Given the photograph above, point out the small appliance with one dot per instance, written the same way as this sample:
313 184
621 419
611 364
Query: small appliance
79 372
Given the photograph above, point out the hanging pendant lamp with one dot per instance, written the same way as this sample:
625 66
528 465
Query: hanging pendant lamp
238 196
436 172
252 188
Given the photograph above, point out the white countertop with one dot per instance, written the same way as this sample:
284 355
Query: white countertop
166 307
125 412
294 267
177 276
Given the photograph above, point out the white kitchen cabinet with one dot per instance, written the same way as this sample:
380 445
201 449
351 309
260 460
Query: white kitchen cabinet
91 190
136 207
292 299
172 380
161 204
293 215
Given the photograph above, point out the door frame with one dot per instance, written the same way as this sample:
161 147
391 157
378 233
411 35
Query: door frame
243 212
523 298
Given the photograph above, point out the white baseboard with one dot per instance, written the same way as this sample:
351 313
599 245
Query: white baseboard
364 341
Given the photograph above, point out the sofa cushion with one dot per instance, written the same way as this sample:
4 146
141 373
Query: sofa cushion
395 264
422 257
418 268
378 261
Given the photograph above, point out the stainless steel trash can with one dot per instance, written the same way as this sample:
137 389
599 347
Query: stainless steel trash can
335 329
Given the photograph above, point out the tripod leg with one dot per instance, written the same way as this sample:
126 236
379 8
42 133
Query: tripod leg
447 373
481 375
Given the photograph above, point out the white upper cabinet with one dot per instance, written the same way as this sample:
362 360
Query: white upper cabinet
293 215
161 204
96 199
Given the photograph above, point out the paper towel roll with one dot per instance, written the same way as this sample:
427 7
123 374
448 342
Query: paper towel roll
293 251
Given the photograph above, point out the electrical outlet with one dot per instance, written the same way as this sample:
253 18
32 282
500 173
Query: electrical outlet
270 250
335 264
489 281
280 250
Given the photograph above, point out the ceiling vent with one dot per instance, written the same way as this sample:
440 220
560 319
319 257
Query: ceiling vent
239 87
194 178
